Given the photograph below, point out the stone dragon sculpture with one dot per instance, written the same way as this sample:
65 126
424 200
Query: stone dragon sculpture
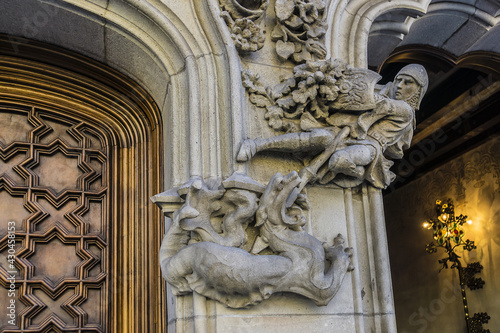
205 254
347 126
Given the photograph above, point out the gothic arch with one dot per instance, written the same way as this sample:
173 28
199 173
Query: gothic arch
182 69
350 23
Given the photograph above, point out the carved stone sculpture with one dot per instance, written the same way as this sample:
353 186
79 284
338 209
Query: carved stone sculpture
298 33
239 242
299 30
341 115
207 247
243 18
317 90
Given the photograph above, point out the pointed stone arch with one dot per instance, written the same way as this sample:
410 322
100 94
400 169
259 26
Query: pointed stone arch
183 69
350 23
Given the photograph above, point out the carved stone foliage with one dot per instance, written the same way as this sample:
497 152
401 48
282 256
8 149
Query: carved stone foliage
238 243
243 18
54 187
338 114
316 91
299 30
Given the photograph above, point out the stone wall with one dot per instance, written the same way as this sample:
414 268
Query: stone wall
426 299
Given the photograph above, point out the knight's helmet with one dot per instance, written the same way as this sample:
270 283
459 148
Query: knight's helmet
419 74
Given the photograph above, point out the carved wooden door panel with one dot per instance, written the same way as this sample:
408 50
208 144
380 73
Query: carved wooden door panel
80 156
54 201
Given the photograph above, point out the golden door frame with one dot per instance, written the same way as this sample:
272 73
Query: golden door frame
33 73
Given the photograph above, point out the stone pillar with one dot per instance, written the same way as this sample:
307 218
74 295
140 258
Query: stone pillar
277 250
363 303
294 240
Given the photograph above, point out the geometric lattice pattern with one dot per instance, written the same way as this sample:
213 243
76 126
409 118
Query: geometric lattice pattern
54 185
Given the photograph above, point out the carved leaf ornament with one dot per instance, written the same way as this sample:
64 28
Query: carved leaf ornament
299 29
243 19
238 242
317 90
298 33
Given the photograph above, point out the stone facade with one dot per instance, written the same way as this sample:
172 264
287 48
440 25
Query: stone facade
276 141
471 181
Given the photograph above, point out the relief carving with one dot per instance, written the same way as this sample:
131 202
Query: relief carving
213 243
339 112
243 18
317 90
298 33
239 242
299 30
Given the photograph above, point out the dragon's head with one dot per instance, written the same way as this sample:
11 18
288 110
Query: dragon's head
282 203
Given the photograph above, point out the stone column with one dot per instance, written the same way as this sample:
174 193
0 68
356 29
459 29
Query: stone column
294 240
277 250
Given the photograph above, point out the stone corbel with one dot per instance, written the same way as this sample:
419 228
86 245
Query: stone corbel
213 244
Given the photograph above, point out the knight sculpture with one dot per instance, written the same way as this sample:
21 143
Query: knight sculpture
368 135
238 242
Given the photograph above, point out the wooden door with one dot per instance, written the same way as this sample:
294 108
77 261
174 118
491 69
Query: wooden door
80 155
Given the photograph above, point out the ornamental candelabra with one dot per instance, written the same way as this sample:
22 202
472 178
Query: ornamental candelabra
449 234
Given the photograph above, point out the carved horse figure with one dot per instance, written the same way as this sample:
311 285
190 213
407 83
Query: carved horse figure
239 279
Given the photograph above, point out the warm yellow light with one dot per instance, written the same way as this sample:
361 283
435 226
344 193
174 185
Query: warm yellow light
426 225
444 217
469 222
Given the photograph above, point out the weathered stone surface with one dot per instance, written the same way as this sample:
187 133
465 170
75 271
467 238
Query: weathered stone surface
434 30
182 54
233 242
203 250
341 118
488 42
464 38
243 19
299 30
